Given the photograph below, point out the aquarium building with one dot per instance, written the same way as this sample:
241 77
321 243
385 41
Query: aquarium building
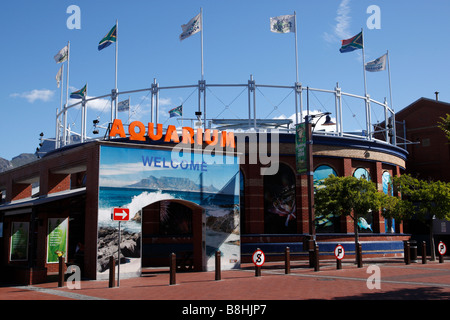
225 185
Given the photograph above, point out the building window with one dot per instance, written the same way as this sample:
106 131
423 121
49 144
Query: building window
328 223
389 224
279 201
362 173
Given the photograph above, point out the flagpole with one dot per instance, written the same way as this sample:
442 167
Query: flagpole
394 130
61 108
364 63
365 88
296 52
201 36
389 76
117 51
83 116
67 96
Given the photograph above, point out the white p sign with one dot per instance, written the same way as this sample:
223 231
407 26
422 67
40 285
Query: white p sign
339 252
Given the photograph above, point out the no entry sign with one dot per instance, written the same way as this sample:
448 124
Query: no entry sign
121 214
258 258
339 252
442 248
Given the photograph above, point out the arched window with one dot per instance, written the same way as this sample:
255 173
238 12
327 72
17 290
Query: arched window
328 223
279 201
362 173
321 173
389 224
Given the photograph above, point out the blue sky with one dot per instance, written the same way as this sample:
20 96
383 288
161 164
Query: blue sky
237 44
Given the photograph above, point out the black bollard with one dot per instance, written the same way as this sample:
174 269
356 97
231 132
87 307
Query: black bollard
112 272
441 258
287 261
338 264
257 271
218 275
413 248
316 258
406 252
311 248
359 255
61 271
173 267
424 252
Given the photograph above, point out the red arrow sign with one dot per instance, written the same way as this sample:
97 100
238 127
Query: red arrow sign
121 214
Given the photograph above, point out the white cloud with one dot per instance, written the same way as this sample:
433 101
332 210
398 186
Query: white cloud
33 95
343 19
318 123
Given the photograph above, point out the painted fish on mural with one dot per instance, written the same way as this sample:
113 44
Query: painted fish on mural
362 223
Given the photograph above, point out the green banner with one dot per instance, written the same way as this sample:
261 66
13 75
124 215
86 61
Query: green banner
57 239
300 148
19 241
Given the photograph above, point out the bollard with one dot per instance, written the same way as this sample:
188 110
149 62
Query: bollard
257 271
424 252
413 248
406 252
311 246
441 258
112 272
287 261
173 267
218 275
61 272
316 258
359 255
338 264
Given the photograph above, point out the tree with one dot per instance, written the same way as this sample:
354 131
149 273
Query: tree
348 196
445 125
426 201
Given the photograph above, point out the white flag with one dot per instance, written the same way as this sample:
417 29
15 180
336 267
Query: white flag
62 55
123 105
59 75
377 64
192 27
283 24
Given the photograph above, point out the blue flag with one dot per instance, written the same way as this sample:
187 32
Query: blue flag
79 94
108 39
176 112
352 44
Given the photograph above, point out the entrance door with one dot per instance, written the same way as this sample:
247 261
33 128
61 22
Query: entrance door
173 226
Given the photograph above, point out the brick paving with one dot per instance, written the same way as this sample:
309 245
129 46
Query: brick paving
416 281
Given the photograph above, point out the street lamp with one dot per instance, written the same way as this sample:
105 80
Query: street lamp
310 167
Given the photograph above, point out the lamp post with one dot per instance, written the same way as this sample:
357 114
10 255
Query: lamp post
309 128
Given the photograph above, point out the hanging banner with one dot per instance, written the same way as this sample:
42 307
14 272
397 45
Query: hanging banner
19 241
300 148
57 239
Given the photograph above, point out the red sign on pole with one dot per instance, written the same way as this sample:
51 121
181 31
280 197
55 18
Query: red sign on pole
121 214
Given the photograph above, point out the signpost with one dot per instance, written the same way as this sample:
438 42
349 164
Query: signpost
258 259
339 253
119 214
442 249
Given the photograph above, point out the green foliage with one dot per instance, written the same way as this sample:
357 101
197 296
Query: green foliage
424 198
445 125
347 196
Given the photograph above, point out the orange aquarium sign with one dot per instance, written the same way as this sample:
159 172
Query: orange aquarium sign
138 132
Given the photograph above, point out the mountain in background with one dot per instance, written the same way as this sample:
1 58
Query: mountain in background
171 183
18 161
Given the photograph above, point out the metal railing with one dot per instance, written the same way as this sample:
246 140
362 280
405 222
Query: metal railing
242 120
